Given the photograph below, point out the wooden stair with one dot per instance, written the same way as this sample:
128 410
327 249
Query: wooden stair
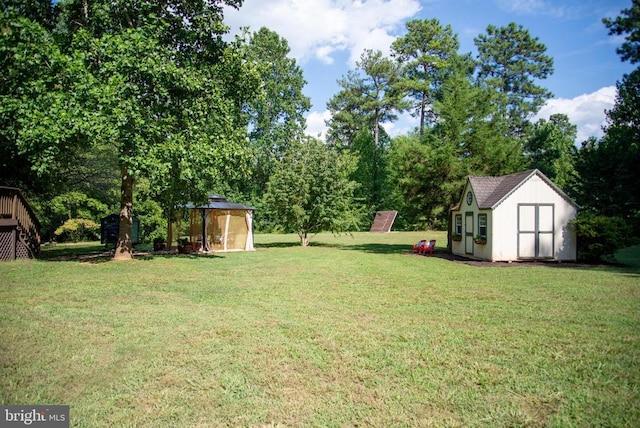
19 226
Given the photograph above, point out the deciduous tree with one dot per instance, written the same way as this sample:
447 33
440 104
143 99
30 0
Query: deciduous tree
276 117
551 149
162 87
311 191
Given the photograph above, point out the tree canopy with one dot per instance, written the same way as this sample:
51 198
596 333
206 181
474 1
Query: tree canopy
276 115
369 97
153 80
104 100
425 53
511 60
627 23
311 190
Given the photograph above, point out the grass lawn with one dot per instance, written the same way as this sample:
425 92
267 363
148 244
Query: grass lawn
353 331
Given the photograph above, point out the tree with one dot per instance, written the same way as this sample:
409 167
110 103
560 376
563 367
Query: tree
310 190
510 61
627 23
37 11
551 149
347 115
369 97
36 112
156 81
470 126
277 116
608 167
419 171
425 52
370 171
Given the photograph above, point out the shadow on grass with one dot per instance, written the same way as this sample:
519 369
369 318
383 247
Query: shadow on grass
278 245
101 254
83 253
372 248
174 255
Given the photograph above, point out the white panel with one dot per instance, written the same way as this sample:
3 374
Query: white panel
468 244
468 224
527 218
527 245
468 233
545 220
545 245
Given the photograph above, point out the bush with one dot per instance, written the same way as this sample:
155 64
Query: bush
78 229
599 237
153 223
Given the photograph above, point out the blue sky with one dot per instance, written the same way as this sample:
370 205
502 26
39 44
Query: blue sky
326 37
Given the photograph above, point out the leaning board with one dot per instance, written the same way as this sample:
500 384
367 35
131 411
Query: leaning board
383 221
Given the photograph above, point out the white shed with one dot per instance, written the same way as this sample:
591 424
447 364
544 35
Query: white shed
522 216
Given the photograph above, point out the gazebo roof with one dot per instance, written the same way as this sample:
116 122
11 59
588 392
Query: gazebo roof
217 202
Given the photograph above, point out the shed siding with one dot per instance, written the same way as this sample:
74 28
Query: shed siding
533 191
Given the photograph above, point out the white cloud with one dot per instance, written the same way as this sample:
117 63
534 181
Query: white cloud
521 6
316 124
586 111
536 7
320 28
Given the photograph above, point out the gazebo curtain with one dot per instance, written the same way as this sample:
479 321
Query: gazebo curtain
224 230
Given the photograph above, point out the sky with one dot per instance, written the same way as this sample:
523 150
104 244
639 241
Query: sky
327 37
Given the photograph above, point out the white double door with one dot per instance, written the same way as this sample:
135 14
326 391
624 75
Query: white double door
535 231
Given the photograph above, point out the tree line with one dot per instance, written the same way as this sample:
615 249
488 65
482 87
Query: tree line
104 100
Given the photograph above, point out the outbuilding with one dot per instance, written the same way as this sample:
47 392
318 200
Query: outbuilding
521 216
216 226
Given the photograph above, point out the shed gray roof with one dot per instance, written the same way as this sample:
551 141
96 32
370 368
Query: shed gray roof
491 191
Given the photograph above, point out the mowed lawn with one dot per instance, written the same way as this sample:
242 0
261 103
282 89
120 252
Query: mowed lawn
353 331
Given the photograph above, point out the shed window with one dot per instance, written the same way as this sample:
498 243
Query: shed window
482 225
458 225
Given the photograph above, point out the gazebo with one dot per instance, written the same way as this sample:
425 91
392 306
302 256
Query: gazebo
218 226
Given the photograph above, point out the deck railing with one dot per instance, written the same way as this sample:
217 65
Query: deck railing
15 212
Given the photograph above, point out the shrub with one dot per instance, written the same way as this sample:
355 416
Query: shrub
78 229
599 237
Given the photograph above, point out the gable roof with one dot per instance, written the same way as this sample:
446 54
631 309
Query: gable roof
491 191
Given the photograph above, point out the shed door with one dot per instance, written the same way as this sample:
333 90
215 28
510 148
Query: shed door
535 231
468 232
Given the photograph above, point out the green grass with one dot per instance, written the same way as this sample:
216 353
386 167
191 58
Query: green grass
629 256
351 331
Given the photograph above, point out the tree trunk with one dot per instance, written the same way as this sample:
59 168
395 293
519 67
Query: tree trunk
423 107
124 247
304 240
376 131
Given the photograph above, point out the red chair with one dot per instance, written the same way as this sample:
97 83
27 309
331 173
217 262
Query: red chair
417 247
428 248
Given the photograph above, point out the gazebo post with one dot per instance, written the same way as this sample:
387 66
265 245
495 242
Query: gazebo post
205 241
